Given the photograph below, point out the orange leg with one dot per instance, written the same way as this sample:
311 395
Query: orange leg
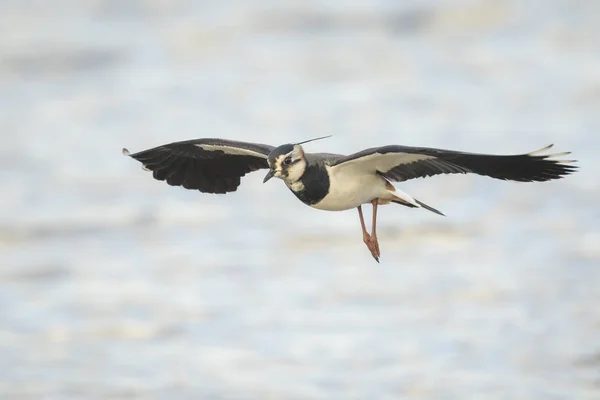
370 240
366 236
374 230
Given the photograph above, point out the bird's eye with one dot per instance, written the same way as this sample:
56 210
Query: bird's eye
287 161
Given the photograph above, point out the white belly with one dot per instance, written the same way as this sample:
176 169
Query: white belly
347 191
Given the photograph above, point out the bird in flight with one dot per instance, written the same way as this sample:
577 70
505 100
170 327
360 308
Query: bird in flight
335 182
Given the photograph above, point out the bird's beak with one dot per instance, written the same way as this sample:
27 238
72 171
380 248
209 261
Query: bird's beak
269 175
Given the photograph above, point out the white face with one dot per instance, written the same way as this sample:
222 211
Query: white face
290 166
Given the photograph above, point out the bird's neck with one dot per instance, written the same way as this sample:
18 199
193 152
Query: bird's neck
312 186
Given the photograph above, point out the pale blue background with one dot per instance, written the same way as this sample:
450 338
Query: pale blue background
113 285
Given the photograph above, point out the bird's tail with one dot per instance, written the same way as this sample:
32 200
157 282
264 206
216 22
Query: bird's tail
420 204
407 200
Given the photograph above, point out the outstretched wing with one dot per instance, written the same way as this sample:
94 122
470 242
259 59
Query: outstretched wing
208 165
401 163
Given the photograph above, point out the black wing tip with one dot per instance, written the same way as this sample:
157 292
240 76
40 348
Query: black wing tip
552 172
546 167
557 168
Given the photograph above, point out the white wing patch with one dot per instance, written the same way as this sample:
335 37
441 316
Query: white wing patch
236 151
553 156
381 162
540 151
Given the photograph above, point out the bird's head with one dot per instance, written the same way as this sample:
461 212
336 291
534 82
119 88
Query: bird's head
286 162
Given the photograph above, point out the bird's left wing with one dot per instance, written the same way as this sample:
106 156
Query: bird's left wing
208 165
401 163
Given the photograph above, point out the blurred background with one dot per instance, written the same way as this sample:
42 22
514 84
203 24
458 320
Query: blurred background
113 285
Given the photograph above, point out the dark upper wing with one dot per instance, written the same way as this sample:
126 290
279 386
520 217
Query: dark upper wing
209 165
401 163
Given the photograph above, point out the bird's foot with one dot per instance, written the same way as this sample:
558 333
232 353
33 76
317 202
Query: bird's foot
372 245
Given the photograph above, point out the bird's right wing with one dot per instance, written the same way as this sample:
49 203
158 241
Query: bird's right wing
401 163
208 165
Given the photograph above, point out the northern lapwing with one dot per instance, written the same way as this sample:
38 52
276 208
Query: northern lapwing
335 182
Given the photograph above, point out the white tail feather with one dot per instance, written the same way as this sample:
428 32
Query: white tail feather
410 201
404 197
